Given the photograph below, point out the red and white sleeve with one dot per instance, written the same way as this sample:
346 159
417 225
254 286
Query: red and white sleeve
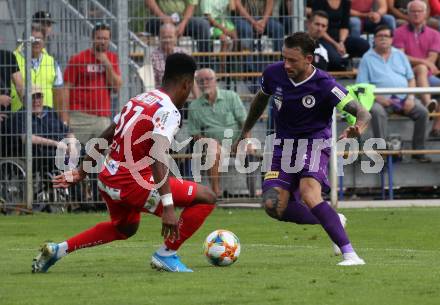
166 122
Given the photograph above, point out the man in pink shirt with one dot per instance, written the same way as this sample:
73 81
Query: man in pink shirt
421 44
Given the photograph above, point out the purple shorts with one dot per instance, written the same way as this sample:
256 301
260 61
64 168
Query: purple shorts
315 165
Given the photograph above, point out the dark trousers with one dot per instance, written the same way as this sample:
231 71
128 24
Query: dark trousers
355 47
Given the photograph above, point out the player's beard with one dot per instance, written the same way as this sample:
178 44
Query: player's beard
292 74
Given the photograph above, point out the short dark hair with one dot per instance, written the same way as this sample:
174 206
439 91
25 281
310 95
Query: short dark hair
178 66
301 40
319 13
42 17
383 27
99 26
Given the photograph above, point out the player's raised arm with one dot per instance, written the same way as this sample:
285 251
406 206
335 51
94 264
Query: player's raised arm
362 118
76 175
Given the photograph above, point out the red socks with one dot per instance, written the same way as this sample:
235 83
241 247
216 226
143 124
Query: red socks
102 233
191 219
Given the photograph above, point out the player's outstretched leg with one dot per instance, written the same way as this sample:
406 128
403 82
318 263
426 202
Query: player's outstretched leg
46 258
198 202
295 211
310 190
336 250
102 233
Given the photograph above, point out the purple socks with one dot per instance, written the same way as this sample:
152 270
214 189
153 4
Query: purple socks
331 223
299 213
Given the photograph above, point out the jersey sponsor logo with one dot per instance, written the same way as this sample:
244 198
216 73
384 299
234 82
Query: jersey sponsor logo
151 99
308 101
161 121
271 175
279 91
338 93
111 165
164 117
148 98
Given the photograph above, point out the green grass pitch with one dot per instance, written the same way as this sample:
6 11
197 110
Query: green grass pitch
280 263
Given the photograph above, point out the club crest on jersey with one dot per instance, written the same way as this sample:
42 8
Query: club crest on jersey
308 101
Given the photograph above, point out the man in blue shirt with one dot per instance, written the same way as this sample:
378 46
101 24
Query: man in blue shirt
303 102
47 129
388 67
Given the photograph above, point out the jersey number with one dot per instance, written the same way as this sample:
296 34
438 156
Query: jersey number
125 125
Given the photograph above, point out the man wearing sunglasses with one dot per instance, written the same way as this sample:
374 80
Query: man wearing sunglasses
388 67
215 111
45 73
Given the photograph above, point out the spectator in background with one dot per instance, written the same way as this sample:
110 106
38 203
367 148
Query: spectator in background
211 114
434 20
218 12
167 46
180 13
365 16
422 45
45 73
45 21
317 25
337 40
9 74
255 20
47 130
388 67
91 76
398 8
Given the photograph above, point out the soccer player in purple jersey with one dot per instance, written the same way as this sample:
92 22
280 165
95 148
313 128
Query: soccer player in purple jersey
303 102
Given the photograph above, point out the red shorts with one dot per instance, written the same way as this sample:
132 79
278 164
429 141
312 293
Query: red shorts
125 205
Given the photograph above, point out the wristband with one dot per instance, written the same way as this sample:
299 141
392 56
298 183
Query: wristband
167 199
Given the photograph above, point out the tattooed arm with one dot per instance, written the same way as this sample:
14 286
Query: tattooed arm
362 119
255 111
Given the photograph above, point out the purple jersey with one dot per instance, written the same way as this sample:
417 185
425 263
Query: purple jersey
302 110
